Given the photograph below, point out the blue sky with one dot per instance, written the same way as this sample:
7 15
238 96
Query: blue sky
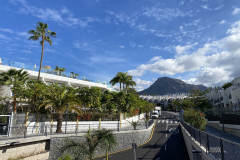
197 41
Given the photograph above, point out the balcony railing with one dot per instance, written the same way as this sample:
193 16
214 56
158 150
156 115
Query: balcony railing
34 67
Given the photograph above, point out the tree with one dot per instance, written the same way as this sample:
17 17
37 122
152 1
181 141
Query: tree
59 98
45 35
80 150
119 78
226 85
106 140
16 80
35 95
129 82
73 75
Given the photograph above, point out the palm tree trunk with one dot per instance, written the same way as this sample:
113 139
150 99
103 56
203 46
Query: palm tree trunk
59 122
41 59
15 103
120 86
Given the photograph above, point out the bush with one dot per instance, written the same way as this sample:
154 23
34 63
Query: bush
195 118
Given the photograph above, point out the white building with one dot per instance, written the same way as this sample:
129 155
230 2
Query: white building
47 77
226 98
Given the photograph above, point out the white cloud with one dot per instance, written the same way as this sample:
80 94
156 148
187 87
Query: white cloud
63 16
26 51
122 46
122 18
184 49
222 22
6 30
214 63
164 13
142 82
4 37
156 47
105 59
235 11
132 44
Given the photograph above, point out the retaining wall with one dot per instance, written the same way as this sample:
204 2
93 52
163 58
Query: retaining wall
124 140
22 150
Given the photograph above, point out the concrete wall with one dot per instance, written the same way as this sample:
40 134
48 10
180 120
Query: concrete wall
22 150
124 140
228 128
191 145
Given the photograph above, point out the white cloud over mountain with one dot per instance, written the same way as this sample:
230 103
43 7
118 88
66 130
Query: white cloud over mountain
214 63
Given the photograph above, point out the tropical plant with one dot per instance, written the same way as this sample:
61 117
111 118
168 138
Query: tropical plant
129 82
16 79
81 150
106 140
134 124
65 157
59 98
119 78
195 118
45 35
226 85
35 95
73 75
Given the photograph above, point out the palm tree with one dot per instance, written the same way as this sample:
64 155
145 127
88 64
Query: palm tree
56 69
61 70
16 80
58 98
106 140
129 82
78 150
43 33
91 98
119 78
35 94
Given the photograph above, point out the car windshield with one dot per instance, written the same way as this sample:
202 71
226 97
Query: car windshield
155 114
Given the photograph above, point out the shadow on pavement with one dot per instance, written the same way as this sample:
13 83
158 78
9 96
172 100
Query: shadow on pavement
175 148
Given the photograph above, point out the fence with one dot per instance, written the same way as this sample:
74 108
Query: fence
227 115
49 128
218 147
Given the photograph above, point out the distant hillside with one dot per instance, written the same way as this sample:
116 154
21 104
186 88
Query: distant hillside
166 85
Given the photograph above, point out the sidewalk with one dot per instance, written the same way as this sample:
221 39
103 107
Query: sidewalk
220 133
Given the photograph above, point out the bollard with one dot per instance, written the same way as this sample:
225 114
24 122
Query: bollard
46 131
222 151
76 131
134 145
25 132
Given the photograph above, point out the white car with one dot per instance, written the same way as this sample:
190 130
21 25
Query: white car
155 115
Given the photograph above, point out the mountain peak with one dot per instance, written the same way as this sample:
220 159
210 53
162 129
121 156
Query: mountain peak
167 85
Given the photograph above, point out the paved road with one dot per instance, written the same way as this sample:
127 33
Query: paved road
162 146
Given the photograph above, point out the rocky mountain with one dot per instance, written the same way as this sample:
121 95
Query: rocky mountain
166 85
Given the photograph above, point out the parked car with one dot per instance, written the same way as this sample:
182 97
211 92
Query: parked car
155 115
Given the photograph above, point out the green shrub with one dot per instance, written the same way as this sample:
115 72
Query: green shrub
195 118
